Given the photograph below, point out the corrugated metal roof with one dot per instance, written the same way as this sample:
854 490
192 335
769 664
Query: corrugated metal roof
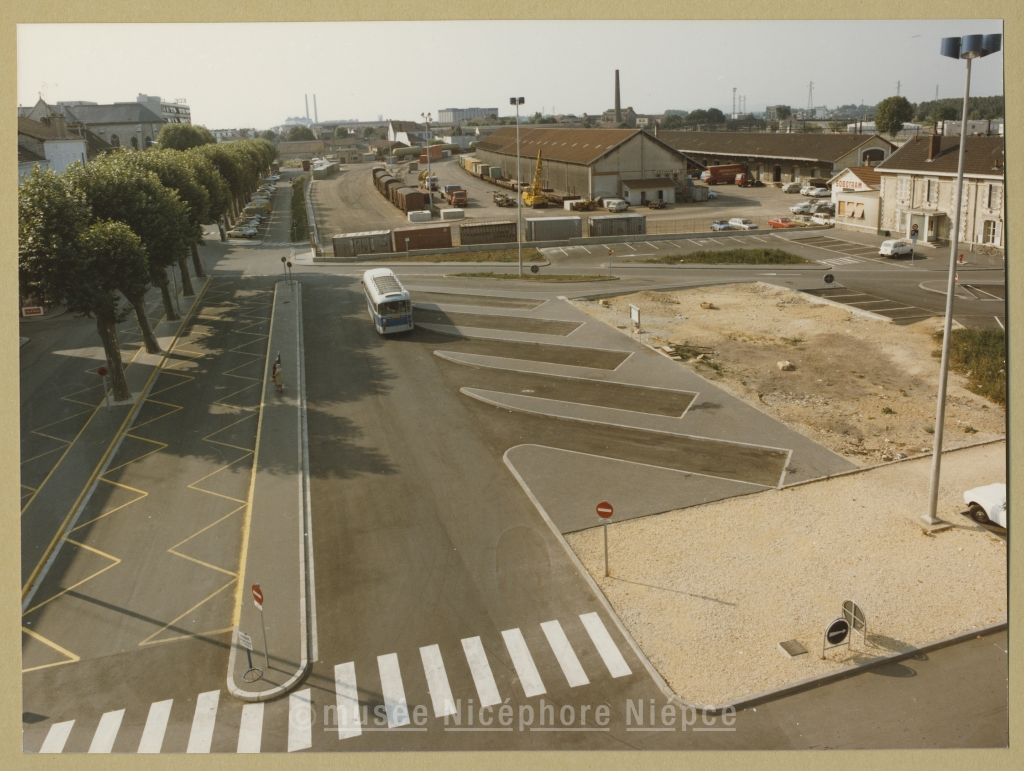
819 147
983 156
568 145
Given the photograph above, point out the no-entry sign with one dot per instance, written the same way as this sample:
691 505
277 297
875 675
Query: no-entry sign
257 596
604 509
102 371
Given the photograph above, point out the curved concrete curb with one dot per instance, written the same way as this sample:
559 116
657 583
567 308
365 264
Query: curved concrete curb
305 662
958 293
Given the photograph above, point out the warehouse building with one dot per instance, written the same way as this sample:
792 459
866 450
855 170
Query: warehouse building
781 158
591 163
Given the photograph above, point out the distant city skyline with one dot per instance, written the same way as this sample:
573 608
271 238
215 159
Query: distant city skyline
660 65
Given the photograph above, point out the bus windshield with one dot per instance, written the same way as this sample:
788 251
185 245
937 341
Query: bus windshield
393 308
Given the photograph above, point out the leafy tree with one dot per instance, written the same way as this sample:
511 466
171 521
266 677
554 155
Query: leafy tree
218 194
299 134
680 113
946 112
367 132
226 164
270 135
118 188
892 113
340 132
182 136
782 112
65 260
715 115
672 122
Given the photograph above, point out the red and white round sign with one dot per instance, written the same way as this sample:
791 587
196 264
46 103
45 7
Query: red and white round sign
102 371
604 509
257 596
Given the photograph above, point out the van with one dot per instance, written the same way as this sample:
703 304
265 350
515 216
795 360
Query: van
615 204
791 187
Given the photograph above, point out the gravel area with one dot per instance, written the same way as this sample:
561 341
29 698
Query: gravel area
709 592
864 388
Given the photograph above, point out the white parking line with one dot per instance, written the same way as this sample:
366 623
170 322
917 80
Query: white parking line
629 246
617 665
651 245
1000 323
677 246
565 654
250 731
759 239
529 677
585 249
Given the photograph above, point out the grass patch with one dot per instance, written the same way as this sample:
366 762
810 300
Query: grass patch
301 230
499 255
731 257
555 277
979 355
794 341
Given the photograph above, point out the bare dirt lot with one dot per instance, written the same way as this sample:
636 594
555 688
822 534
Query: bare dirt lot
861 387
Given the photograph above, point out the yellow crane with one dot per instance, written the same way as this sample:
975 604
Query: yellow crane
533 195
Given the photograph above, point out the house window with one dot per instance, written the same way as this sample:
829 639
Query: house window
931 190
135 143
989 233
115 140
993 195
903 188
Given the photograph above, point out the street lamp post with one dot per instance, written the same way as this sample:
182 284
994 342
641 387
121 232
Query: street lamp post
426 147
968 47
518 100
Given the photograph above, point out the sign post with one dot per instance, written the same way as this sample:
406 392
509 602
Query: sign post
257 597
605 510
913 241
252 674
634 317
837 634
103 372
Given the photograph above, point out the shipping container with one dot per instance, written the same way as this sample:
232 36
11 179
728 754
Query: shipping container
380 182
698 192
305 165
410 199
618 225
419 216
414 166
368 242
453 214
369 157
487 233
434 237
378 171
553 228
446 153
495 172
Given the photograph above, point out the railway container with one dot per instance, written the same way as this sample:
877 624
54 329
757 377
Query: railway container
495 172
553 228
618 225
389 185
487 233
368 242
410 199
433 237
378 171
380 181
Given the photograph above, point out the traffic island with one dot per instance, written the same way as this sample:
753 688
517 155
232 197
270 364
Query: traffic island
270 641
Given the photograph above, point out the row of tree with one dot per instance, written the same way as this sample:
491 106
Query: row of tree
112 228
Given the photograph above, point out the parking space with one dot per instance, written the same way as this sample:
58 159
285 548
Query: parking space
987 291
899 312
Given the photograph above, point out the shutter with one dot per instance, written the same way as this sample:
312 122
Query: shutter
860 212
997 238
964 206
997 197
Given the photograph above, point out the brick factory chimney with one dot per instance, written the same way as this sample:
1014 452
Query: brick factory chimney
618 104
934 144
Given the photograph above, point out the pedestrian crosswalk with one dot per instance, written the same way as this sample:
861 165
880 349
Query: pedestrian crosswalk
352 715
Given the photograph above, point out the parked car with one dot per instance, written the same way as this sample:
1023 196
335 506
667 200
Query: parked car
820 192
256 197
823 206
804 207
712 194
240 231
782 222
720 225
791 187
741 223
657 203
822 218
615 204
251 219
896 247
988 504
806 189
272 178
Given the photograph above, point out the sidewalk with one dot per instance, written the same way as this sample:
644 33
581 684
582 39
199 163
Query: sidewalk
276 528
65 489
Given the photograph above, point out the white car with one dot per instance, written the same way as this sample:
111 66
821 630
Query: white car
273 178
241 232
820 192
740 223
791 187
712 194
895 247
615 204
804 207
822 218
988 504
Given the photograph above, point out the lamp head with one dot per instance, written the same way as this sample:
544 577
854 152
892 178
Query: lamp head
970 46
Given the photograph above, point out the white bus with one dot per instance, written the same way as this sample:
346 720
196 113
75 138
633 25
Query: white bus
387 301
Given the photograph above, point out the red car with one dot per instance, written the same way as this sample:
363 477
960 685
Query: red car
783 222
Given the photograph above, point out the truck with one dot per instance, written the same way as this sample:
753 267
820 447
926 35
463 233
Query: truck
729 174
746 179
457 197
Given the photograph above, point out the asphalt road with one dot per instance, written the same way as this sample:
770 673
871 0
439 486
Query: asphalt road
422 535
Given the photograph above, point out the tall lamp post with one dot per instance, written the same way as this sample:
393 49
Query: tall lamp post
426 149
518 100
968 47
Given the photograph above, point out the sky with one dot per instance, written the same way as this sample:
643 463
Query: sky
398 70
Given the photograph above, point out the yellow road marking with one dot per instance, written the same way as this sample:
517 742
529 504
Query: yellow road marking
176 620
115 563
72 658
142 494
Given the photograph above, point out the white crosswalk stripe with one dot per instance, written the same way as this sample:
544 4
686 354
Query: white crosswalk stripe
106 732
300 720
529 677
394 692
617 666
437 681
156 725
57 737
347 699
565 654
250 731
201 737
348 723
480 668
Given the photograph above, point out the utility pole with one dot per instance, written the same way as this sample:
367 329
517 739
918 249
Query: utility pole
734 103
810 98
936 92
897 88
518 100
